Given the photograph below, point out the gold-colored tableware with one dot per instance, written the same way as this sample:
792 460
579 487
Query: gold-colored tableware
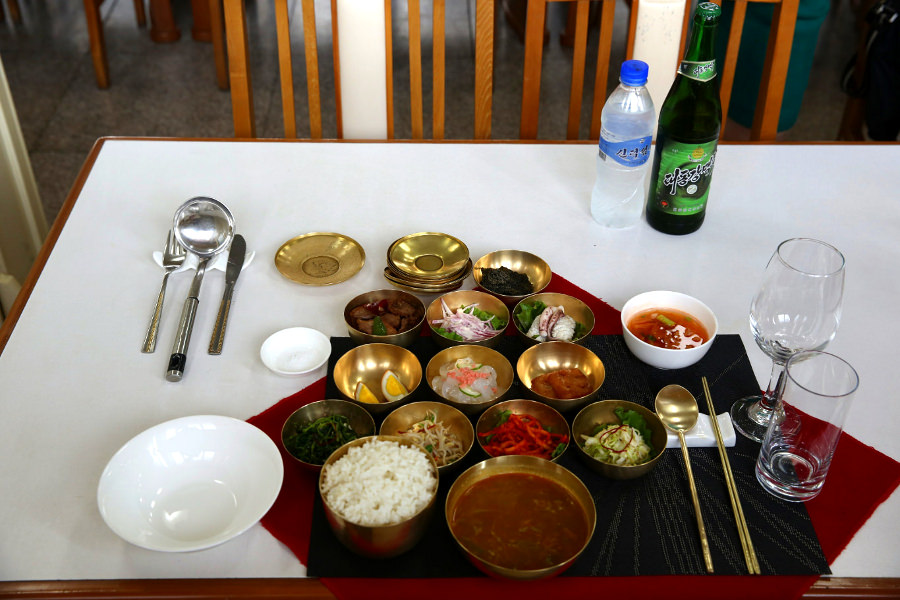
404 338
530 465
417 289
367 364
459 299
401 419
603 413
428 255
320 258
550 419
361 422
553 356
480 354
534 267
573 307
452 278
378 541
743 529
677 408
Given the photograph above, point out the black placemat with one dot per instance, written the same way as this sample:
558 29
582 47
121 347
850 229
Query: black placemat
644 526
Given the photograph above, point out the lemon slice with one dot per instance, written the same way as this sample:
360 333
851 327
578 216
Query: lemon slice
364 394
392 387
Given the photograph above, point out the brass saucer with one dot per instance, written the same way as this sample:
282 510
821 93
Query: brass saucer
428 256
405 284
452 278
320 258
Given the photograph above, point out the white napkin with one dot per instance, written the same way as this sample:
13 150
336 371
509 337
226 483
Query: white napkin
220 261
702 435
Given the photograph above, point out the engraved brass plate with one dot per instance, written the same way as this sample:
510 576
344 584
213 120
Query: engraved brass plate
320 258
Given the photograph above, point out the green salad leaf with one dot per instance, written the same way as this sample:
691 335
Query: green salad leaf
634 418
528 312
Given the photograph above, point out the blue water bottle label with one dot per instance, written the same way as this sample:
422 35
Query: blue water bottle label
630 153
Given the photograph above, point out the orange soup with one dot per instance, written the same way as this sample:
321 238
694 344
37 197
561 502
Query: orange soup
668 328
520 521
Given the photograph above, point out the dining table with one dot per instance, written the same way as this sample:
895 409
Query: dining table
75 387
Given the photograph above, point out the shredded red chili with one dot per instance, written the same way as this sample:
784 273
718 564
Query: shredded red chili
523 434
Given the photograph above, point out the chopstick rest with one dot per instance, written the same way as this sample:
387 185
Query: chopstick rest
702 435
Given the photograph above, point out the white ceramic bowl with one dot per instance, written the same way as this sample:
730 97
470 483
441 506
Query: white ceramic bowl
295 351
663 358
190 483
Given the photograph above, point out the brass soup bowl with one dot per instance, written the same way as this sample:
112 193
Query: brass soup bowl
533 466
368 363
534 267
378 541
458 299
553 356
481 354
603 413
361 422
404 338
455 421
550 419
574 307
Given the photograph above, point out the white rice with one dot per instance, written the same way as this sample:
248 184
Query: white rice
380 482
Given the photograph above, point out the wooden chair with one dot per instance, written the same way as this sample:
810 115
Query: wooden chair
98 42
242 99
14 13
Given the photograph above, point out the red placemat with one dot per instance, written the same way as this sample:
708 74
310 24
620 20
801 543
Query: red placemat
852 494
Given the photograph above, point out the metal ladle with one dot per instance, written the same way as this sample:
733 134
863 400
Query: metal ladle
205 227
677 409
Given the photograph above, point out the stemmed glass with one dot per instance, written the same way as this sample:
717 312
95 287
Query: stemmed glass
798 307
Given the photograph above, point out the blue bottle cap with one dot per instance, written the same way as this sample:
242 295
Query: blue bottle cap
634 72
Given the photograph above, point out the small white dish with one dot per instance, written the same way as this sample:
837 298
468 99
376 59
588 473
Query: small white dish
190 483
295 351
702 435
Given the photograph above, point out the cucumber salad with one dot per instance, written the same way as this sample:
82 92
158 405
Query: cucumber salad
465 380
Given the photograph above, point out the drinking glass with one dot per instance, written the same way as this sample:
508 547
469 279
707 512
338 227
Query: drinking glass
806 425
798 307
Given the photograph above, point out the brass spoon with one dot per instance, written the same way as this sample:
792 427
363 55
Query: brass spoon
677 409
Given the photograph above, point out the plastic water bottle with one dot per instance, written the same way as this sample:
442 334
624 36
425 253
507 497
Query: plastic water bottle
626 131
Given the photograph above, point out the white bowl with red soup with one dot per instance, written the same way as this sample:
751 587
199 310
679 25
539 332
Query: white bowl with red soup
668 330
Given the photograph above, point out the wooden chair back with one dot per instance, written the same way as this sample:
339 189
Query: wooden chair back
765 125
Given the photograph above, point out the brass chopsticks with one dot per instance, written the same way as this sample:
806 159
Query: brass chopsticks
743 530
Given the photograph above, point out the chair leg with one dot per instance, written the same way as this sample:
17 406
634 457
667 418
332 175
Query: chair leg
216 22
139 13
14 13
98 45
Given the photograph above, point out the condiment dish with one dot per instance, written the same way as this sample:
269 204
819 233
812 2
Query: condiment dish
361 422
573 307
367 365
295 351
550 419
549 357
481 355
455 301
454 421
534 267
386 300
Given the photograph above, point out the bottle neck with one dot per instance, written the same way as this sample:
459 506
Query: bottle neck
699 61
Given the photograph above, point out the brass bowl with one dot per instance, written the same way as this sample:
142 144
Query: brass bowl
367 363
407 415
458 299
360 421
404 338
549 418
573 307
378 541
529 465
537 270
553 356
603 413
481 354
428 255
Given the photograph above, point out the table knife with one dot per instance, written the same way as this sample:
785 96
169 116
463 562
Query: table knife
235 264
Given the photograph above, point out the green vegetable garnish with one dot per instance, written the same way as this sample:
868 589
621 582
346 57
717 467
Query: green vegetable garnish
665 320
378 327
634 418
527 313
314 442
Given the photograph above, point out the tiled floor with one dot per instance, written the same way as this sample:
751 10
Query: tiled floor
170 90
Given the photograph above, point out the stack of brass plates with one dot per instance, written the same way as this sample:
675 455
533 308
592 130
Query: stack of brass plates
431 263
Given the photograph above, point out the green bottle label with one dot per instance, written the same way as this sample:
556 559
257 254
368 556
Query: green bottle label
704 70
685 171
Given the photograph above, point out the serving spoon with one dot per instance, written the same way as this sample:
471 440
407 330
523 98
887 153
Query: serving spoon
677 409
205 227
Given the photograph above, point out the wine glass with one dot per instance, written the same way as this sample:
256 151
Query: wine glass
798 307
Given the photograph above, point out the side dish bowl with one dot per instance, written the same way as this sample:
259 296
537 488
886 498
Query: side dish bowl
550 419
538 271
367 364
665 358
455 422
573 307
580 513
481 355
361 422
404 300
549 357
603 413
466 298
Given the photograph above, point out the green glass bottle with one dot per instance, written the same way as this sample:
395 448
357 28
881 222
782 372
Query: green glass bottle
687 134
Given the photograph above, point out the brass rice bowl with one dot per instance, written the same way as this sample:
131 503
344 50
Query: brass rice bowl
550 419
459 425
360 421
404 338
480 354
368 363
553 356
378 541
534 267
458 299
603 413
532 466
574 307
